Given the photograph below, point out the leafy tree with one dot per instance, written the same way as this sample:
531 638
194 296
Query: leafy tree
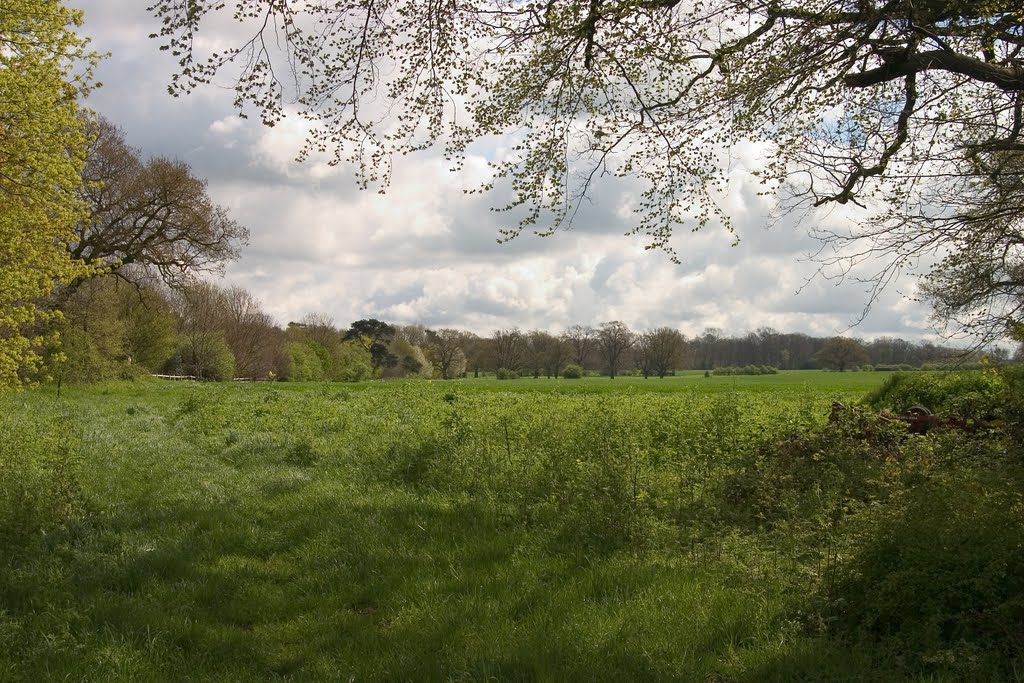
374 336
42 147
479 353
203 351
92 336
840 353
352 363
510 347
581 340
657 352
110 328
150 324
252 335
548 353
304 363
411 361
153 212
445 347
207 357
910 108
613 340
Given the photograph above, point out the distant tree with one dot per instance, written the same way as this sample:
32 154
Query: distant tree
479 353
375 336
411 361
414 334
252 335
150 326
659 351
510 349
840 353
203 350
352 363
446 349
320 328
154 213
42 148
582 340
304 363
93 336
130 326
548 353
613 340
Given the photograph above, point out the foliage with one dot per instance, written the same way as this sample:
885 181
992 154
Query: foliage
375 336
730 371
848 100
445 349
42 147
505 373
352 363
659 352
111 329
840 353
614 339
572 372
410 361
153 213
205 356
304 363
939 577
973 395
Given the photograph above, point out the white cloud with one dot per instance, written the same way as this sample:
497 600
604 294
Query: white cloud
427 252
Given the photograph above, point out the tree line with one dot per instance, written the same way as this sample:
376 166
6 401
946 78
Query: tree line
135 323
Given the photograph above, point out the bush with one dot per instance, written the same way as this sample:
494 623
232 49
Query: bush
352 363
206 356
505 373
942 579
746 370
304 364
969 395
572 372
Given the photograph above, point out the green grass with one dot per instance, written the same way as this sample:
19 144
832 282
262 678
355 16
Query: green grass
432 531
690 381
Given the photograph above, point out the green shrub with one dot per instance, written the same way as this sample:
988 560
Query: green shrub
206 356
572 372
505 373
304 364
751 370
939 580
353 363
970 395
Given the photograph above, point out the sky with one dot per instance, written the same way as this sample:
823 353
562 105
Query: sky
427 253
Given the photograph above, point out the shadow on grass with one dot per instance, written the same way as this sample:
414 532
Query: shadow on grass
329 582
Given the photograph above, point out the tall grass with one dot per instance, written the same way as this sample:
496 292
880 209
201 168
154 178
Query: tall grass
432 532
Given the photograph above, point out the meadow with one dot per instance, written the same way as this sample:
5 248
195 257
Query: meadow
691 528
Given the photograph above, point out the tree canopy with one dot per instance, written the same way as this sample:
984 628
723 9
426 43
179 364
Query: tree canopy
42 147
909 109
153 213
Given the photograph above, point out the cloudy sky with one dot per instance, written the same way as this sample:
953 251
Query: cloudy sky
427 253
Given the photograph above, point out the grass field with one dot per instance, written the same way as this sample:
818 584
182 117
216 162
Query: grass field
689 381
474 530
